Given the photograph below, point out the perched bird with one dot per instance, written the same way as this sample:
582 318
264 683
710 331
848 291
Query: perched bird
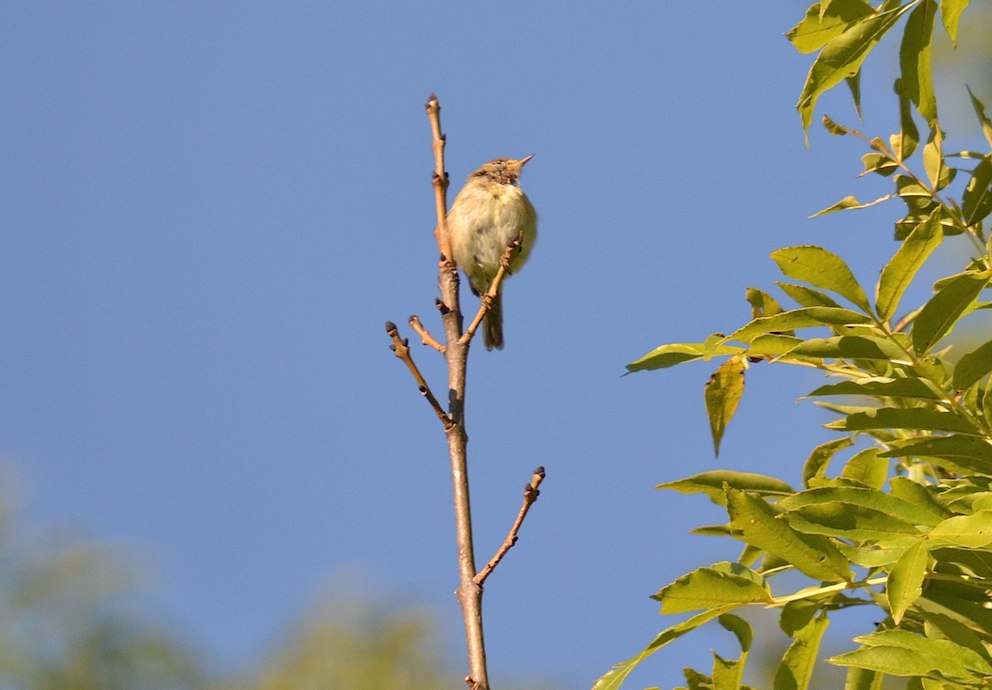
488 213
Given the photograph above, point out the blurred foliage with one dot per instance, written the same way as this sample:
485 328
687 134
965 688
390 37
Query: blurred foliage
72 619
69 621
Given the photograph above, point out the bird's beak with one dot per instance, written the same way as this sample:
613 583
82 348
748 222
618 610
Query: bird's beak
523 161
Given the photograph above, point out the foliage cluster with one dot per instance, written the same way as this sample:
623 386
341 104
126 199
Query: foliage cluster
905 525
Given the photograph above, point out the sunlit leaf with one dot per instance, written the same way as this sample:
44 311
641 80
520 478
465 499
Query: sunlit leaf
806 317
971 531
813 555
908 137
823 269
678 353
819 458
719 585
973 366
953 300
722 394
614 679
850 347
882 387
867 467
902 268
976 203
850 202
842 56
915 59
825 21
968 453
868 498
902 653
807 296
905 583
950 14
904 418
712 484
979 107
933 157
796 669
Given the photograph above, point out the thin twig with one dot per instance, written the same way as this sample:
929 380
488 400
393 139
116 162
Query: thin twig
440 177
402 351
530 496
469 594
425 335
494 287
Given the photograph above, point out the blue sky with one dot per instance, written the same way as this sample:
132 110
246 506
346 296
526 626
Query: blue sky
210 209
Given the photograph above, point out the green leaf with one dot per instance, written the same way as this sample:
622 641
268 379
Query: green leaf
854 86
976 203
834 128
917 418
867 467
719 585
979 109
850 202
772 345
614 679
677 353
950 14
965 453
842 56
875 556
807 297
762 304
880 386
863 679
933 159
741 629
971 531
850 347
818 27
968 612
913 492
905 583
819 458
796 669
973 366
902 653
940 626
722 394
905 142
728 674
987 402
900 271
756 521
915 59
823 269
852 523
954 299
879 163
712 484
805 317
867 498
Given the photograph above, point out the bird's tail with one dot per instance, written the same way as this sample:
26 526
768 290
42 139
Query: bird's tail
493 332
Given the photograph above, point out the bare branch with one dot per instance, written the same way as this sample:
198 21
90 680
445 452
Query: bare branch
424 334
530 496
402 351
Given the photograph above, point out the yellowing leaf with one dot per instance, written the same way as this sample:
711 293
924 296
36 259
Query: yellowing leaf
722 394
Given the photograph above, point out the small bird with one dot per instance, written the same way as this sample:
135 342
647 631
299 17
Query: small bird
488 213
